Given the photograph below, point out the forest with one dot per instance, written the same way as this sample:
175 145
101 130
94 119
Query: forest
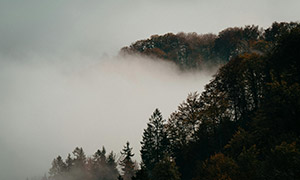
244 125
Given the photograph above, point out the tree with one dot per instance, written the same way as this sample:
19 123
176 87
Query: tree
249 165
112 165
80 158
104 167
79 170
283 162
99 157
128 166
277 30
219 167
183 123
69 162
141 174
188 51
58 169
154 142
166 169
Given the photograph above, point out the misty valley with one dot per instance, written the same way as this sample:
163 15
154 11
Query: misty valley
244 124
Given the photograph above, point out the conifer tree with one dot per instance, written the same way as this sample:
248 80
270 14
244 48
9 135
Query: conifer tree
79 170
69 162
58 168
154 142
128 166
80 157
112 165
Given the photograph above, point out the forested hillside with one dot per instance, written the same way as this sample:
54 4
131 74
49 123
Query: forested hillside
244 125
193 51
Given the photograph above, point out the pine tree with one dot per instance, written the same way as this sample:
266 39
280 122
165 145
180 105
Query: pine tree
58 169
154 143
99 156
112 165
80 157
128 166
104 167
79 170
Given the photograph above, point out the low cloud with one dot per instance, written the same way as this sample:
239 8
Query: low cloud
51 105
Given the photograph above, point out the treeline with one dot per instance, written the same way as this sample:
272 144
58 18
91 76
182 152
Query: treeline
244 125
100 166
193 51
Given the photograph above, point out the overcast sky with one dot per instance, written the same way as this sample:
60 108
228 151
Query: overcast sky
61 85
104 26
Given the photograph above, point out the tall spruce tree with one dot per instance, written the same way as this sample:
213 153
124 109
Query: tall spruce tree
128 166
154 143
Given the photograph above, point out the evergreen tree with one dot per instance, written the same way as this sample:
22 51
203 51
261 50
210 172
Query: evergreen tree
154 143
58 169
104 168
112 165
128 166
69 162
79 170
80 158
99 157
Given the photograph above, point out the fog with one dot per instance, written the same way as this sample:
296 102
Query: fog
50 106
62 84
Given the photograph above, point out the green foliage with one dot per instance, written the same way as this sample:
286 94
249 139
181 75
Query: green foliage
154 143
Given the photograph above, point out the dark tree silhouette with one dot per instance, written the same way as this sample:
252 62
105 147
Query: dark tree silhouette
128 166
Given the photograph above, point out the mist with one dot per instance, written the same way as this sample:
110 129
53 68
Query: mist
62 85
50 106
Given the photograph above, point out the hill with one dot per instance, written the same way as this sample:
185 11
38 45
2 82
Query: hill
192 50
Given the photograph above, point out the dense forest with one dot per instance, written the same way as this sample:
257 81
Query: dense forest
244 125
192 50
